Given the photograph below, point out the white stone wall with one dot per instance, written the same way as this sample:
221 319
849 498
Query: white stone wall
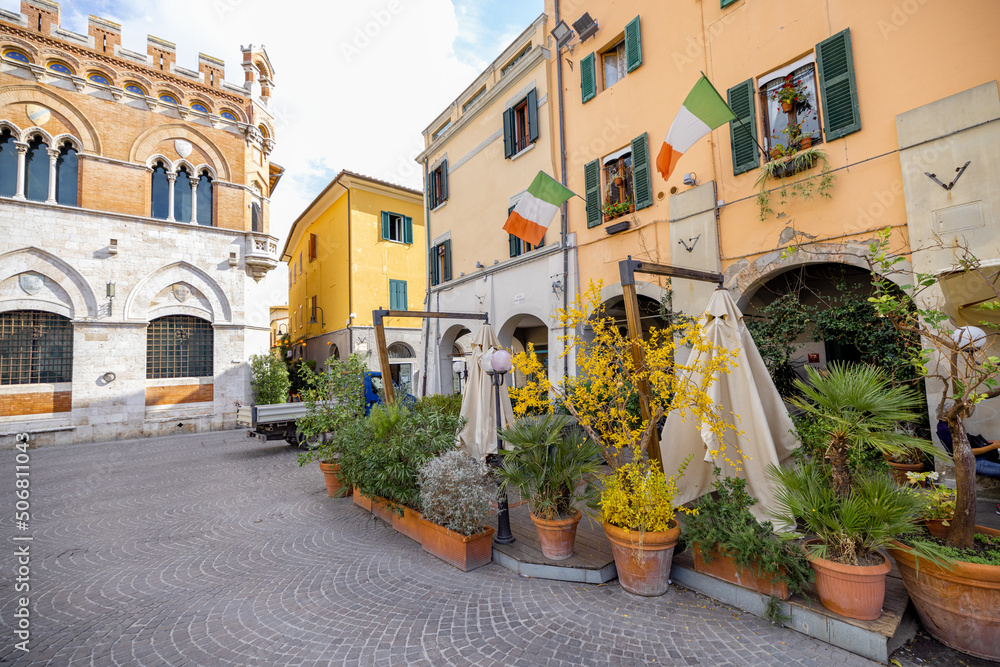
70 249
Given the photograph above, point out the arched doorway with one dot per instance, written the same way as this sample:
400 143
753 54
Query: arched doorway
521 330
455 346
401 361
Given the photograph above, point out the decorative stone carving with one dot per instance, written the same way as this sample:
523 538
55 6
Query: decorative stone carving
31 283
180 291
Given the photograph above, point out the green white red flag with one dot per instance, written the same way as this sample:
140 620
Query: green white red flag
703 111
535 210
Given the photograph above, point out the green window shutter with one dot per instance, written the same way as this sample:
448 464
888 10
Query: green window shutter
744 146
434 265
532 103
514 245
726 3
592 185
385 225
447 260
407 229
397 295
837 88
508 133
633 45
392 294
444 181
588 78
404 303
432 189
642 177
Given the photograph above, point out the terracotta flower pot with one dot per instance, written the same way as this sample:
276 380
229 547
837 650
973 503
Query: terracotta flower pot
464 552
643 560
899 470
723 567
362 501
959 607
806 142
408 524
333 485
786 106
937 528
557 536
854 591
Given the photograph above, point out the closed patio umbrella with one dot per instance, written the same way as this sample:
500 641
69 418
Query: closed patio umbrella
479 435
747 397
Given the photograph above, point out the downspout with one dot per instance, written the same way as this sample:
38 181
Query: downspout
427 297
350 278
564 231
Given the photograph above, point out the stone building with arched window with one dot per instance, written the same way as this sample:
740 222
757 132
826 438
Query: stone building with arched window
134 199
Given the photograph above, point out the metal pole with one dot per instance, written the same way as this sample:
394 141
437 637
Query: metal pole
503 535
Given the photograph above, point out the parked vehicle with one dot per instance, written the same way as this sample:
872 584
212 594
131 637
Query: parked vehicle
277 422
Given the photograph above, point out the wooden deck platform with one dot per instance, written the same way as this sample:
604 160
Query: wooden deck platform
591 562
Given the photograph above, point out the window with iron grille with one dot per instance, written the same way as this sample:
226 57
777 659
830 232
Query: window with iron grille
35 348
178 346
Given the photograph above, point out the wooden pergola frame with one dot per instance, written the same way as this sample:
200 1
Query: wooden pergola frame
627 268
383 350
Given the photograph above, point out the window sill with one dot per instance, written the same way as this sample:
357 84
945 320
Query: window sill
786 166
521 152
439 206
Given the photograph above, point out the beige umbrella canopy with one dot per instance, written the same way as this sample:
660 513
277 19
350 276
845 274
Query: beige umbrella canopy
479 435
747 397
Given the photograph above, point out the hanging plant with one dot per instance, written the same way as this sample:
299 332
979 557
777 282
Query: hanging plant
791 163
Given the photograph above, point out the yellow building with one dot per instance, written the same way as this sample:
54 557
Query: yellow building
359 246
279 324
481 154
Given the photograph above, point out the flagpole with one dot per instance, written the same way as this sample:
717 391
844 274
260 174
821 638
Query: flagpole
726 102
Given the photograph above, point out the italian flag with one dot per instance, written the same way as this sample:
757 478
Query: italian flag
703 111
534 211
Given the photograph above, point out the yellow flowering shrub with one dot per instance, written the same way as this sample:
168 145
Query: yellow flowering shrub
639 496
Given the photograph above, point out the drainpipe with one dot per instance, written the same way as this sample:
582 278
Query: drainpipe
350 279
427 297
564 231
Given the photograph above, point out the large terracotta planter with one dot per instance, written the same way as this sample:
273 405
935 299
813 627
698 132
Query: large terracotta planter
362 501
464 552
383 509
899 470
959 607
557 536
723 567
330 474
643 559
408 524
854 591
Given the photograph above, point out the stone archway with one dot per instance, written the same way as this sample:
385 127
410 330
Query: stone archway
78 298
141 299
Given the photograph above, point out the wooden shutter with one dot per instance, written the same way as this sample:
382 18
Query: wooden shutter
401 295
513 245
588 78
434 265
726 3
447 260
508 133
385 225
633 45
407 229
592 185
838 90
432 189
392 294
444 181
642 177
532 102
744 146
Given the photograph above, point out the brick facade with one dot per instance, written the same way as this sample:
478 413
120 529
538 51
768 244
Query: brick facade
123 113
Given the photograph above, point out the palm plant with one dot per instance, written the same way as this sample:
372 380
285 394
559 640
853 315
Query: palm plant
850 527
860 408
548 464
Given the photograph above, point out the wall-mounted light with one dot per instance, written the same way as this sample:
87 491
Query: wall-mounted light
562 33
113 247
585 26
109 377
691 179
321 313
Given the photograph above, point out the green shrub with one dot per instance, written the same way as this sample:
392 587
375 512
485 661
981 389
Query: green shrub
448 404
268 379
724 524
336 400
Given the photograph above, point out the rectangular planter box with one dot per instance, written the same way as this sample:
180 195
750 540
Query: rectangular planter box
382 509
724 568
465 553
362 501
408 524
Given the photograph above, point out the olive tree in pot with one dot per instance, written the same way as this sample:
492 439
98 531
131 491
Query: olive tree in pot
456 492
336 402
853 514
960 605
552 465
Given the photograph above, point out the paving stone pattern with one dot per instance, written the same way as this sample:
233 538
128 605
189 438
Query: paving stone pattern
212 549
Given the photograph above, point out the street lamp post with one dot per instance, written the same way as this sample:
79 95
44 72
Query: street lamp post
500 363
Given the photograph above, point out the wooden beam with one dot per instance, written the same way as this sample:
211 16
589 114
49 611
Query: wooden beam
639 359
377 315
383 362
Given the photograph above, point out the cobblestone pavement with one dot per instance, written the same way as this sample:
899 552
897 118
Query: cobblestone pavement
214 549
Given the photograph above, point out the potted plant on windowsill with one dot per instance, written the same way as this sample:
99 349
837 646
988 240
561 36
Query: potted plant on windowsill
612 211
552 466
456 495
728 542
790 94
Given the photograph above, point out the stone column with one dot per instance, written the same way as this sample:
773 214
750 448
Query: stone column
22 153
171 179
53 157
194 201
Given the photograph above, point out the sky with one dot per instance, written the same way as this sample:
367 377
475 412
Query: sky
356 81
